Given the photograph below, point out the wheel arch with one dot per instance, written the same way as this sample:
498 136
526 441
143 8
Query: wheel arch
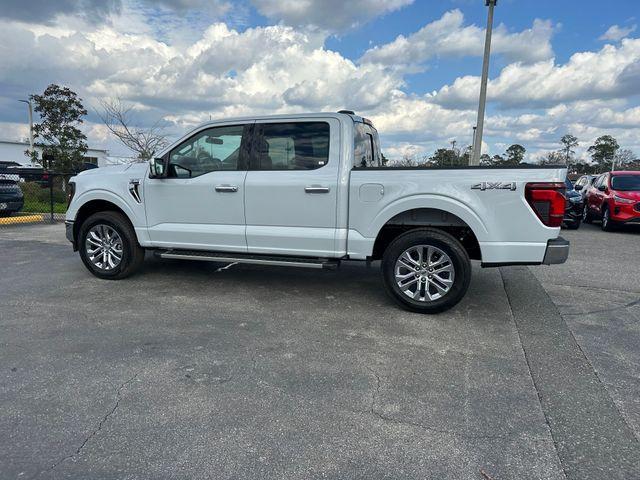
94 206
427 217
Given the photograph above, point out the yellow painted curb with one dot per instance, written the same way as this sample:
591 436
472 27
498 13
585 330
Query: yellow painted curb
21 219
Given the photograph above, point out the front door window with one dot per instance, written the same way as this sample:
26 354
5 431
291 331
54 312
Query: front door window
210 150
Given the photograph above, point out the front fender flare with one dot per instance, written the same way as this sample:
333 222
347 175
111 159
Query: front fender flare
107 196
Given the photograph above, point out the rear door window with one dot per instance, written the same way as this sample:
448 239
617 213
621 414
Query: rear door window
292 146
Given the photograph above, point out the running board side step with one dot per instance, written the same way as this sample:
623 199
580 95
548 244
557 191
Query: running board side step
280 261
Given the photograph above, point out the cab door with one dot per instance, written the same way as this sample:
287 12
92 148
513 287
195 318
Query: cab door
201 203
291 189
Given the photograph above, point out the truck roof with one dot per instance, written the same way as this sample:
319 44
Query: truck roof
354 117
342 115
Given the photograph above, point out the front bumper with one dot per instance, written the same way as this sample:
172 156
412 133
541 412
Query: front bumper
573 212
12 205
625 213
557 251
68 226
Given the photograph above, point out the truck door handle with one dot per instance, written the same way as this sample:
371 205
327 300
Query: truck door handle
226 188
316 189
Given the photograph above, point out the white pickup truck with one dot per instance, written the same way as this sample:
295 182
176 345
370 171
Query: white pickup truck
309 191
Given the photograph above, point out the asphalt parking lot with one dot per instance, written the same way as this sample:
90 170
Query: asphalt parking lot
191 370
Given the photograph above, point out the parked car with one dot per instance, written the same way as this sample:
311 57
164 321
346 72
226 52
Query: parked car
11 197
573 207
614 199
310 190
4 164
583 184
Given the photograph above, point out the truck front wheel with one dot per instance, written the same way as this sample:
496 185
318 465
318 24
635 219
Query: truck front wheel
426 270
108 246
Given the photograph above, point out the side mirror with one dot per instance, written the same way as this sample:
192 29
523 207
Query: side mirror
157 168
577 188
602 188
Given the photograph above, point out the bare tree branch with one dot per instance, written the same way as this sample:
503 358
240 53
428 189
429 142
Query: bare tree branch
117 117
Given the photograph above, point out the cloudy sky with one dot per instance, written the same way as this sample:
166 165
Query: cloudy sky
412 66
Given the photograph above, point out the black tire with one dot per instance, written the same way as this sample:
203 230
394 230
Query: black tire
575 225
132 252
607 224
587 217
445 243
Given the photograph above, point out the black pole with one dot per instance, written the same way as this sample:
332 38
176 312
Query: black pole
51 196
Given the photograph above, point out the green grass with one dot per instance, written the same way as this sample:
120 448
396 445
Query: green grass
44 207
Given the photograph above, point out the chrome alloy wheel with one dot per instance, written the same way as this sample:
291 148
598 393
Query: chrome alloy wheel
104 247
424 273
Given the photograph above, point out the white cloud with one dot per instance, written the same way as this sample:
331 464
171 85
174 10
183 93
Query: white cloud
226 72
612 72
331 15
449 37
615 33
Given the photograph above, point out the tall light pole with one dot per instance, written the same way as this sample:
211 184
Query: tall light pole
473 139
477 144
28 102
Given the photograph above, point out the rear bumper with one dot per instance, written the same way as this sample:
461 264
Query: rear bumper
557 251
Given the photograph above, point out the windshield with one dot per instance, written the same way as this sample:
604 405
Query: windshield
626 183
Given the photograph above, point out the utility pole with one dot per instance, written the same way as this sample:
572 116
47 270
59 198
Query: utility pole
477 143
28 102
31 149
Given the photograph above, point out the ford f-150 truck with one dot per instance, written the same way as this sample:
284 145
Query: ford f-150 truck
310 191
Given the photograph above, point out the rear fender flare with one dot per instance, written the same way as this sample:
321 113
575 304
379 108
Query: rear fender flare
439 202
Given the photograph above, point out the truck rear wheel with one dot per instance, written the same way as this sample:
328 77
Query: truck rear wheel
108 246
426 270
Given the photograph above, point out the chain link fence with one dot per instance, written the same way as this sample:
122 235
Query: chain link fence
28 197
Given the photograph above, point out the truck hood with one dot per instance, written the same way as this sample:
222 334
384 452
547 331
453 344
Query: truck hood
130 168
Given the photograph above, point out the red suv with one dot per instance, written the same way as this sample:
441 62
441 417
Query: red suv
614 198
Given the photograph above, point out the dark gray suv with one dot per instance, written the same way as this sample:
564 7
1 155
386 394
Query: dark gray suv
11 197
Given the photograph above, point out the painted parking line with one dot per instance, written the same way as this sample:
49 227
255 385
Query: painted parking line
593 440
21 219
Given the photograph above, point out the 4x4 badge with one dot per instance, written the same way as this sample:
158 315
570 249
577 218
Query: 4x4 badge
494 186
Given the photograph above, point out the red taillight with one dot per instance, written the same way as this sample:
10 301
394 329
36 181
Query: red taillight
547 201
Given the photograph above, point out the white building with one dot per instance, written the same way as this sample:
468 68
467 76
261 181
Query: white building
13 151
